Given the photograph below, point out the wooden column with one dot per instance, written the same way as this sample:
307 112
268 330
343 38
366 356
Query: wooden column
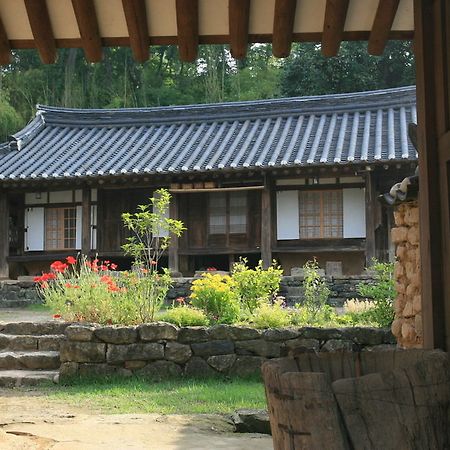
4 235
86 231
266 226
370 217
431 18
174 263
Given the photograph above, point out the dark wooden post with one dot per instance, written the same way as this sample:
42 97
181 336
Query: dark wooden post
370 217
266 225
431 20
174 263
4 235
86 231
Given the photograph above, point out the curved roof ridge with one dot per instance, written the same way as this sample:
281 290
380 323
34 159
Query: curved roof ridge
323 104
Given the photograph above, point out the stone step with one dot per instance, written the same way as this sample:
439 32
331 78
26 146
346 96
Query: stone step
17 378
294 291
34 328
35 360
44 342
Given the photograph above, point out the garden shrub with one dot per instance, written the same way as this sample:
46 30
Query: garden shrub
316 291
184 316
268 315
151 234
216 295
255 285
382 292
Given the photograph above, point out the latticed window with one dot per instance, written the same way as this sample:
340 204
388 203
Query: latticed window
321 214
60 228
227 213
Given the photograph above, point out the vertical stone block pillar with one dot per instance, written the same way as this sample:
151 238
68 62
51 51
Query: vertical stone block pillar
407 325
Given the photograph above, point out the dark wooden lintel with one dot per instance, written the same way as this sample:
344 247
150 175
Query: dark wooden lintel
88 25
136 18
382 24
187 24
238 19
333 27
41 28
283 27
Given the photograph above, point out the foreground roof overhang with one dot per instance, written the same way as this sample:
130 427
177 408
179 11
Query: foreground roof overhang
93 24
364 128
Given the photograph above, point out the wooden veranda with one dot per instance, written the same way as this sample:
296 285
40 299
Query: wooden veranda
94 24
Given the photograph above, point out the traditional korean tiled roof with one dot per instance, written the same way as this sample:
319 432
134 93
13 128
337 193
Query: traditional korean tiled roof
366 127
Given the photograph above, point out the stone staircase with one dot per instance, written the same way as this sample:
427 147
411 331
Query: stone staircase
29 352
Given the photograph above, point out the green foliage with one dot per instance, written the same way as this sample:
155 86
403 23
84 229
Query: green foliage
216 296
382 291
308 72
184 316
316 291
268 315
255 285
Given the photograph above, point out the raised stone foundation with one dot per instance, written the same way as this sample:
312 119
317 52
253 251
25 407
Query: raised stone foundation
159 350
407 326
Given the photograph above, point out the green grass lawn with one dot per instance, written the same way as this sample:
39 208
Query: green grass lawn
121 396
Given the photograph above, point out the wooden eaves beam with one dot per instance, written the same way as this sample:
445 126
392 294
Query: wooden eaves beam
136 18
187 24
87 24
333 27
238 19
283 27
382 24
41 28
5 48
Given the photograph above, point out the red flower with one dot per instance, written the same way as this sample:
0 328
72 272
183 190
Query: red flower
71 260
153 263
37 279
106 279
113 266
113 288
211 269
58 266
103 267
180 300
57 316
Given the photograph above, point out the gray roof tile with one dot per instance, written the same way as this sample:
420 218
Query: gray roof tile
364 127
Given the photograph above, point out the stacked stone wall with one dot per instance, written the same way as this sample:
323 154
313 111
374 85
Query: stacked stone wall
407 325
159 350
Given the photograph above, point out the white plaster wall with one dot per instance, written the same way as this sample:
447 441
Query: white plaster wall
354 209
287 215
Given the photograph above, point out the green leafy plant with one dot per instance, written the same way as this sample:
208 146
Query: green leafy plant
151 234
255 285
184 316
216 295
316 291
381 291
268 315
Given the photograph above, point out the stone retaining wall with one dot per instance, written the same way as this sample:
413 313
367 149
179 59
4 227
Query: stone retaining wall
407 326
159 350
16 294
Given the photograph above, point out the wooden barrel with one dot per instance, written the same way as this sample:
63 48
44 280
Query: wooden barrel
397 399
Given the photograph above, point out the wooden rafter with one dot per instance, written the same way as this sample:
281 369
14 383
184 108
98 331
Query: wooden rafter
5 48
88 26
136 17
41 28
238 18
187 24
333 27
283 27
382 24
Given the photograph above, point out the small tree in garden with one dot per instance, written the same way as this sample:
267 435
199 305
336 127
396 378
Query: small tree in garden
316 290
151 234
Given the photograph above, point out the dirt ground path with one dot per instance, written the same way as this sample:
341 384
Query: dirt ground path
29 421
